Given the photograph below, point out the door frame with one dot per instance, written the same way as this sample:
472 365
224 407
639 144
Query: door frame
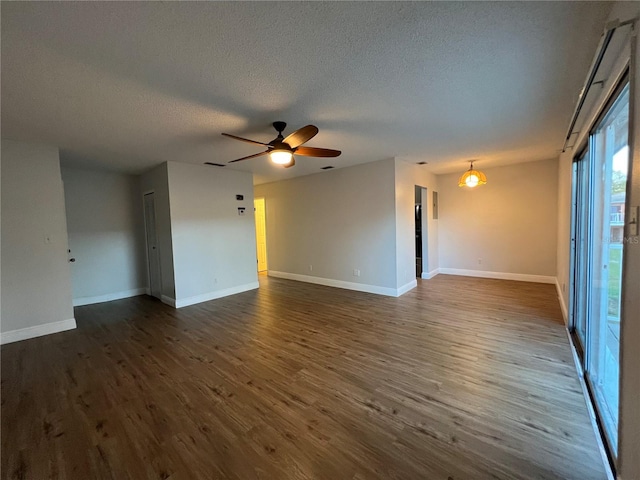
266 249
623 81
424 229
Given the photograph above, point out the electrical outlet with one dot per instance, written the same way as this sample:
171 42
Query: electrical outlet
356 272
311 268
479 261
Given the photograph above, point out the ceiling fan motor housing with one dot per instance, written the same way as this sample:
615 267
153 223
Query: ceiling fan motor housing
279 126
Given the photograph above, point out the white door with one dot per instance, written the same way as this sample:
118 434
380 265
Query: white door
261 234
153 253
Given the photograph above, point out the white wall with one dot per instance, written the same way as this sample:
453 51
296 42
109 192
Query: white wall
629 416
564 230
36 281
407 176
510 223
157 181
105 225
214 248
336 221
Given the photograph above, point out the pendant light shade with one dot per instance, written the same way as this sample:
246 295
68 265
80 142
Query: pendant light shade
472 178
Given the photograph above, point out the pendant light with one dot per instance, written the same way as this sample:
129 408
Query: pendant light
472 178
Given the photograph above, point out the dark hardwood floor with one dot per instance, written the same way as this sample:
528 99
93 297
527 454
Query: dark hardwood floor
461 378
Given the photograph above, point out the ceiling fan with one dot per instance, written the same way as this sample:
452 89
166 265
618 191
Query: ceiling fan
281 149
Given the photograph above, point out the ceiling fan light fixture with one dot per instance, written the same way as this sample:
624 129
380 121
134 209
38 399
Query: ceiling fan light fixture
472 178
281 149
281 157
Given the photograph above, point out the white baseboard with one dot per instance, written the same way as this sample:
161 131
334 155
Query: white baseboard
330 282
430 275
405 288
78 302
168 301
563 306
205 297
520 277
37 331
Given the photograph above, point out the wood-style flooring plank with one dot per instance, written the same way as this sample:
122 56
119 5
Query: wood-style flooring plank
461 378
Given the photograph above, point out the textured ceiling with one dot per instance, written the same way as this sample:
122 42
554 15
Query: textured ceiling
126 86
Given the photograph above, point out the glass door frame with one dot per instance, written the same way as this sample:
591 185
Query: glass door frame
583 178
580 198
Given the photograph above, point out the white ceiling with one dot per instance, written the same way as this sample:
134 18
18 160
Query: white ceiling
126 86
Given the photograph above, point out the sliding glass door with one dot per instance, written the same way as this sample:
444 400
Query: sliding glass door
599 186
610 161
579 248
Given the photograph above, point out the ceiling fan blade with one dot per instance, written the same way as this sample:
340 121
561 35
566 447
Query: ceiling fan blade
291 163
317 152
245 139
300 136
250 156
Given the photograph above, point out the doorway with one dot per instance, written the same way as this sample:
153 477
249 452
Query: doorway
421 231
153 252
261 233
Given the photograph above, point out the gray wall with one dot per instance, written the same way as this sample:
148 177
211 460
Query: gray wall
36 280
407 176
214 248
510 223
106 235
336 221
